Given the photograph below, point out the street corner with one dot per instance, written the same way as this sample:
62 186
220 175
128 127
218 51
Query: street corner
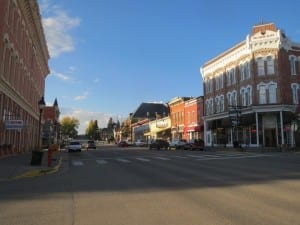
36 172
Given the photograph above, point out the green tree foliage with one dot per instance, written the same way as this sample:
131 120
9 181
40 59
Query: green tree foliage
92 131
69 126
118 125
110 124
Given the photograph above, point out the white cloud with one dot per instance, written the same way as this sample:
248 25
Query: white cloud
57 28
97 80
81 97
60 75
72 69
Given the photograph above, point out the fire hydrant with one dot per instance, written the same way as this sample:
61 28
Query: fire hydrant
50 149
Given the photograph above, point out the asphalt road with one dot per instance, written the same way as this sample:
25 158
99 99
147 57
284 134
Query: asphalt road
130 186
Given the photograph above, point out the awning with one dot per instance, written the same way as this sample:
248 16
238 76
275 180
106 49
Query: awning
147 134
164 129
193 128
153 132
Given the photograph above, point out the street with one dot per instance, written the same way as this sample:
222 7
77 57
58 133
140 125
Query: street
137 186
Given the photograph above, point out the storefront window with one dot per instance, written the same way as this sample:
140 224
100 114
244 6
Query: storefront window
253 134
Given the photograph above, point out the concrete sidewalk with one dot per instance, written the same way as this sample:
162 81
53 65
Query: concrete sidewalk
18 167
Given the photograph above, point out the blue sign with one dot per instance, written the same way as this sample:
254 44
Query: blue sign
14 124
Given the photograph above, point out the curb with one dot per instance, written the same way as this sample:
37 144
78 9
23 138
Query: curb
35 173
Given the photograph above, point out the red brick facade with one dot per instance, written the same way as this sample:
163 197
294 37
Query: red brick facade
193 118
177 106
23 68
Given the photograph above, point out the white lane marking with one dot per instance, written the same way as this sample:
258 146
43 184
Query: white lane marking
143 159
123 160
101 161
77 163
162 158
201 156
180 157
233 154
233 157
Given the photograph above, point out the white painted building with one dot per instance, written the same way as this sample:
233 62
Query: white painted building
251 91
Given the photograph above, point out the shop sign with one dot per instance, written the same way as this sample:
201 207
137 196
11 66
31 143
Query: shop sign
14 124
162 124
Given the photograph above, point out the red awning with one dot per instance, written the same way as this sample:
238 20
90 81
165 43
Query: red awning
194 128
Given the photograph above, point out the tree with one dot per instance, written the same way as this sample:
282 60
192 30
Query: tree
69 126
118 125
110 124
92 131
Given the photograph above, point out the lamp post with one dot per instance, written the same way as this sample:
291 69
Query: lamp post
41 104
234 115
38 154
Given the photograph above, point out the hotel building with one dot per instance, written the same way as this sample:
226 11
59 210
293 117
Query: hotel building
251 91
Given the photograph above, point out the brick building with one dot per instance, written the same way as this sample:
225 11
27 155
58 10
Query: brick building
51 127
176 106
251 91
23 68
193 118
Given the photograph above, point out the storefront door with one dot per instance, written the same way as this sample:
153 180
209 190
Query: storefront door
270 137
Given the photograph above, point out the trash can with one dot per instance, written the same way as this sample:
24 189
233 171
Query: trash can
36 159
236 144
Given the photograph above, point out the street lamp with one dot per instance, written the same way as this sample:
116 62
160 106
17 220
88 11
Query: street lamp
41 104
38 154
234 115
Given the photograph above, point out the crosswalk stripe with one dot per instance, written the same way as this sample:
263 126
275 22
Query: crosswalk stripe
232 157
180 157
77 163
232 154
102 161
123 160
162 158
143 159
201 156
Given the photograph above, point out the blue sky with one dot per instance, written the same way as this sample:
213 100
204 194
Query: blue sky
109 56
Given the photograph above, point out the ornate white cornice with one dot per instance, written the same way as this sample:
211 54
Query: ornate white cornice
254 43
32 17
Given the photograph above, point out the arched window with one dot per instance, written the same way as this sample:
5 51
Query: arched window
260 66
249 91
262 93
295 92
293 64
270 65
272 92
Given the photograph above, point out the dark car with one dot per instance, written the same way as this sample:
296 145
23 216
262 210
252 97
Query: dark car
159 144
123 144
91 144
194 144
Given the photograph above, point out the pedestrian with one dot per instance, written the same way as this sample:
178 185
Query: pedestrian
247 141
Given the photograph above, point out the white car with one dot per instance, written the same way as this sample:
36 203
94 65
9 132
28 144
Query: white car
140 143
177 144
74 146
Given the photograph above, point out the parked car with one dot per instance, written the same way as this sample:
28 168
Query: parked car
140 143
159 144
91 145
194 144
177 143
123 144
74 146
